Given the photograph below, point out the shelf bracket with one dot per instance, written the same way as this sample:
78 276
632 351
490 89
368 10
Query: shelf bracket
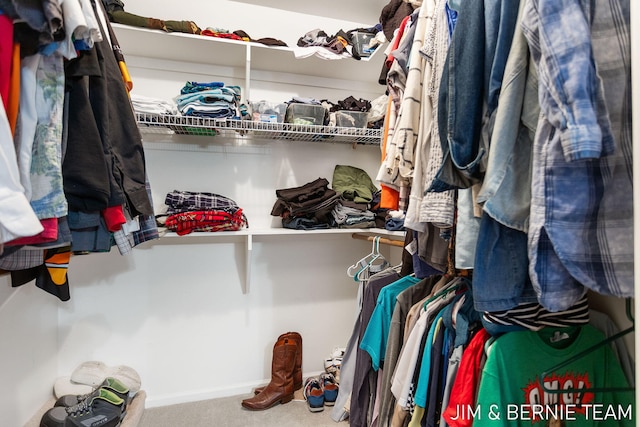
247 76
247 270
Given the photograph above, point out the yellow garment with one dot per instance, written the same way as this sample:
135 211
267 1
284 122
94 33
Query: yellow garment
57 266
126 77
416 419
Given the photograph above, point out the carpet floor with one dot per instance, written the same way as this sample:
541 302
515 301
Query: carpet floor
228 412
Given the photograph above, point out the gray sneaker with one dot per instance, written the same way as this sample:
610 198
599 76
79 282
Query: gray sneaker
101 408
112 384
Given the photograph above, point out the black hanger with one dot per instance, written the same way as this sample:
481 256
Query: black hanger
587 351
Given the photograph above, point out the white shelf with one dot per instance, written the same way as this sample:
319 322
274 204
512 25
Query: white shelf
200 126
247 58
181 47
282 232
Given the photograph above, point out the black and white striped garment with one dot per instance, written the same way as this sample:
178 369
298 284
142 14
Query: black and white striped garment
534 316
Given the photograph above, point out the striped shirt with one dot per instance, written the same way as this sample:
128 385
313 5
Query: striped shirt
534 317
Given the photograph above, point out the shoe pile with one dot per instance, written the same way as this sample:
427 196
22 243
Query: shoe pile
106 406
94 395
320 391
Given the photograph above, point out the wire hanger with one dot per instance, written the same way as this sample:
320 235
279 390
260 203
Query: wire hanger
586 352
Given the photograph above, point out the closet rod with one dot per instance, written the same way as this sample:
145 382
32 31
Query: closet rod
382 240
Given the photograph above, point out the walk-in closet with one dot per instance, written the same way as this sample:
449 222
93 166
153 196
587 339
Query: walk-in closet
435 265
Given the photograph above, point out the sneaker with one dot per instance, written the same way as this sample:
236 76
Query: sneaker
112 384
93 373
330 387
104 409
314 394
333 363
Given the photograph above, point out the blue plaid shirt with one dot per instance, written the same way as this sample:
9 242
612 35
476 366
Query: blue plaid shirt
581 230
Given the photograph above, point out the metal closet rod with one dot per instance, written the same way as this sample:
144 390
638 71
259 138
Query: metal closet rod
383 240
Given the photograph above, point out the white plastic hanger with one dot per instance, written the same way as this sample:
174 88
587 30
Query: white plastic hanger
371 263
364 261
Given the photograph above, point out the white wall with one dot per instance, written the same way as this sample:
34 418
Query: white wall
177 313
28 333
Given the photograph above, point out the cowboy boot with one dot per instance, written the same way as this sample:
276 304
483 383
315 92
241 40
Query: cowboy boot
297 370
280 389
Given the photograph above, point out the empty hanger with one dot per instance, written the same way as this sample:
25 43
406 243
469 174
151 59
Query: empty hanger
371 263
361 263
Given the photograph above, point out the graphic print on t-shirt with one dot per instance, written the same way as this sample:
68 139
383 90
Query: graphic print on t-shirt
561 393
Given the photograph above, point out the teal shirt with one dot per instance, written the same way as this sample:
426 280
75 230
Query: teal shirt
374 340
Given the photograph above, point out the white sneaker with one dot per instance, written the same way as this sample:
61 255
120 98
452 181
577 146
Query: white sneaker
333 363
93 373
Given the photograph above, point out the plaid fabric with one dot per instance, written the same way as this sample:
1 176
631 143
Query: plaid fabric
186 222
182 201
123 241
22 259
148 230
581 231
148 227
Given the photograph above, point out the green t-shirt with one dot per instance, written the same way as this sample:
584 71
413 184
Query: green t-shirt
511 389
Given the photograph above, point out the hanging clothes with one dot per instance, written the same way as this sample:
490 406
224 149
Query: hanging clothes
79 153
517 132
404 301
357 368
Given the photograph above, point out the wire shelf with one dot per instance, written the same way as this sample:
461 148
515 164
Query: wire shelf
204 126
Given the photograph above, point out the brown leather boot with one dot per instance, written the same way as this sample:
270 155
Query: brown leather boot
280 389
297 370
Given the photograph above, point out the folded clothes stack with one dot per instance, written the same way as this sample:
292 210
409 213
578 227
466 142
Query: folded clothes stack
199 211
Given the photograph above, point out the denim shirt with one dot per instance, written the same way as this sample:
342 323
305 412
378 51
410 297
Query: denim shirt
581 223
460 101
506 188
470 86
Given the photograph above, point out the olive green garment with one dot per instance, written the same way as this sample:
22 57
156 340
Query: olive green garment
354 184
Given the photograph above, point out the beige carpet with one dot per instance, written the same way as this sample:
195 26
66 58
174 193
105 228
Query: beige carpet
227 412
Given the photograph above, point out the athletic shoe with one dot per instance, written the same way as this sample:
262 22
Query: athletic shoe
104 409
93 373
333 363
314 394
330 387
112 384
